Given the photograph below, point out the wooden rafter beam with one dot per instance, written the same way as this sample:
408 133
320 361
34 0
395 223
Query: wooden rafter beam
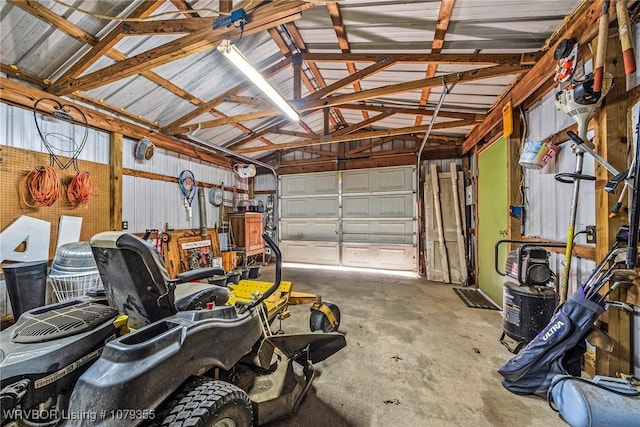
441 142
315 72
441 139
582 25
240 127
184 7
522 59
355 136
166 26
277 130
227 120
370 145
352 78
117 112
226 6
15 93
466 76
250 100
322 153
268 16
343 43
15 71
111 38
362 124
444 16
384 153
415 111
284 49
101 47
24 76
203 108
36 9
384 160
251 137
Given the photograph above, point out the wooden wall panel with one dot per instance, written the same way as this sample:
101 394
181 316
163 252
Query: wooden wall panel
16 163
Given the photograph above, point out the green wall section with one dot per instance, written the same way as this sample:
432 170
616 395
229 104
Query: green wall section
492 216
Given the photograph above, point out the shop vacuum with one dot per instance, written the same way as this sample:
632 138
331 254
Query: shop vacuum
529 295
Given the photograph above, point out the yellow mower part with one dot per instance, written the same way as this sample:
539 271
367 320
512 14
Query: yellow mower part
326 311
243 291
297 298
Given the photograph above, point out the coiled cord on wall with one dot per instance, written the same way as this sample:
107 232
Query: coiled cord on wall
43 185
81 188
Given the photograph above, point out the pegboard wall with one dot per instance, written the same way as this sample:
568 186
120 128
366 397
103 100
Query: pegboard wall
15 163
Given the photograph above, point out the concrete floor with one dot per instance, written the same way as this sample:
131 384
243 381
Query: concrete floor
415 356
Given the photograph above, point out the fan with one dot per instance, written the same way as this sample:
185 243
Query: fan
144 149
216 196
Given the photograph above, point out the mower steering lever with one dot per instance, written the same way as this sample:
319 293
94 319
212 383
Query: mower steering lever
276 282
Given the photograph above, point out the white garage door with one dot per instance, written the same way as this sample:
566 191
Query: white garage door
360 218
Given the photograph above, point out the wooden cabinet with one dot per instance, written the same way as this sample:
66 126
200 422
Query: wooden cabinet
246 232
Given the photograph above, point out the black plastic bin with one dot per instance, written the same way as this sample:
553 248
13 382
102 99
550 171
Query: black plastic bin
26 284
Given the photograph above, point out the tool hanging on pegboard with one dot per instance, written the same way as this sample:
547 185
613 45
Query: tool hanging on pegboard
188 188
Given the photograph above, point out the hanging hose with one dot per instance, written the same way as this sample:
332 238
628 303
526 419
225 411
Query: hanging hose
81 188
43 186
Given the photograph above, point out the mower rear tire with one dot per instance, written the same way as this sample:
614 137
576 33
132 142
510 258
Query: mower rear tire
207 403
318 320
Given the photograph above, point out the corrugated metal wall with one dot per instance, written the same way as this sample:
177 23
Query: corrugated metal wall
19 130
149 204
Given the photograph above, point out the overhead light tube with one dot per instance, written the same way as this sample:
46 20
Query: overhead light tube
244 66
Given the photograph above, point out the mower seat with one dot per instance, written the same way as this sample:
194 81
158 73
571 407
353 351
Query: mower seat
137 283
195 296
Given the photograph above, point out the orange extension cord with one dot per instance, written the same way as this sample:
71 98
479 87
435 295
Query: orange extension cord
43 186
81 188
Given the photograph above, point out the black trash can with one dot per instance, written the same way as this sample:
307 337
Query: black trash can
26 285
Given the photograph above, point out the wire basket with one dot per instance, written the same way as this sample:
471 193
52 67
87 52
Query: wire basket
73 286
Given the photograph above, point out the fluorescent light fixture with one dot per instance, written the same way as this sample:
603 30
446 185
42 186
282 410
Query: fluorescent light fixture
241 63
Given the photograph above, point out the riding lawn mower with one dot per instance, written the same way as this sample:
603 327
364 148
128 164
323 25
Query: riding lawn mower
162 352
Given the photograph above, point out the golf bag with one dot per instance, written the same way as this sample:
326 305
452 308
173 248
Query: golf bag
557 349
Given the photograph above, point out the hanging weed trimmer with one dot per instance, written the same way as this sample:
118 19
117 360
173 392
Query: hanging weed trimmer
580 101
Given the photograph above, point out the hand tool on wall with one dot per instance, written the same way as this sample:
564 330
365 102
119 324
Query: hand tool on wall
598 68
624 32
580 101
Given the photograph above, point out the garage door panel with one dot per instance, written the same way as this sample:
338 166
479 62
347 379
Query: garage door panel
309 184
392 257
378 180
397 258
318 230
310 252
389 206
357 218
321 207
378 231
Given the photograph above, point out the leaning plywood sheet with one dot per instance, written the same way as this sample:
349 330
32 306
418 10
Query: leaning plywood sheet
456 272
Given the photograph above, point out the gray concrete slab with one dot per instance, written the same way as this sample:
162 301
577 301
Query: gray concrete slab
416 356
